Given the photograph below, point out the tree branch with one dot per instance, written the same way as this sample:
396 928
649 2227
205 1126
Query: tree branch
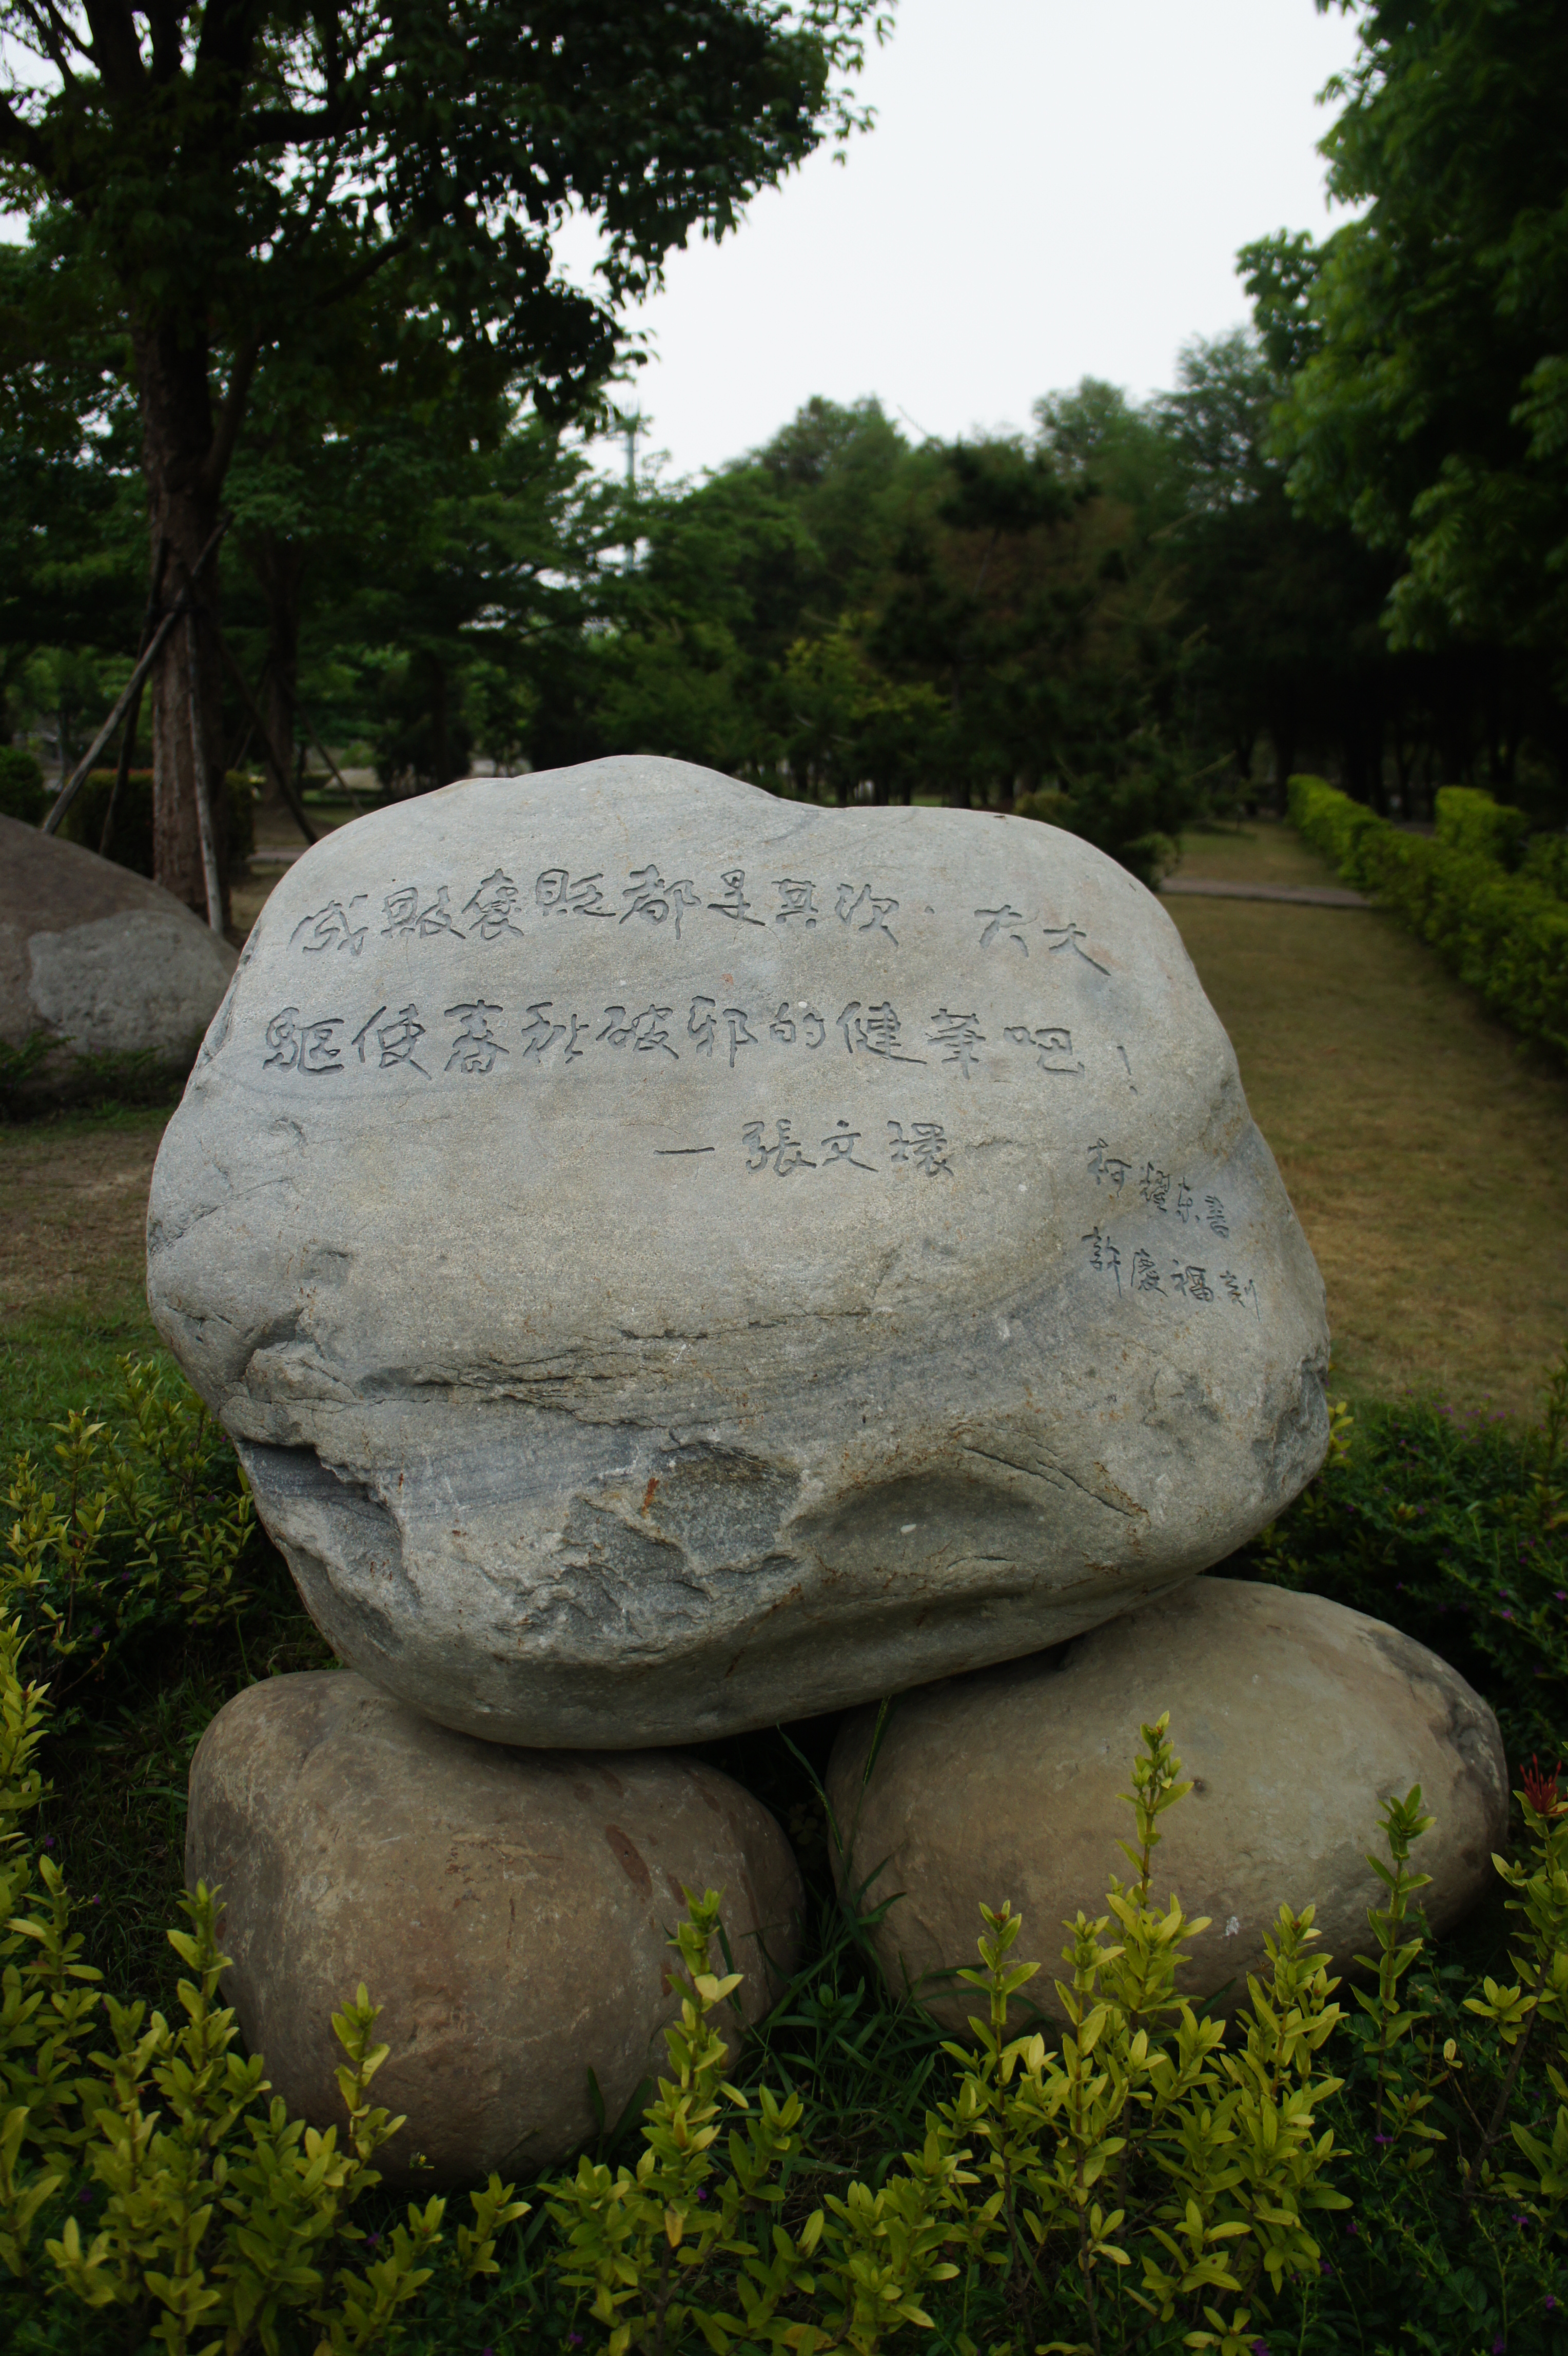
56 36
227 33
323 184
115 50
354 279
348 98
284 126
231 417
17 137
164 21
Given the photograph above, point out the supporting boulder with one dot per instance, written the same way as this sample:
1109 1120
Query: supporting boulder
510 1910
1295 1720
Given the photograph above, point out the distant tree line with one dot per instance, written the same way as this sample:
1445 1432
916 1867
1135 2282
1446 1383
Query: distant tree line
1339 542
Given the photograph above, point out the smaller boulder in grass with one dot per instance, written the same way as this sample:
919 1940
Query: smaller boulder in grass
1295 1720
509 1910
99 969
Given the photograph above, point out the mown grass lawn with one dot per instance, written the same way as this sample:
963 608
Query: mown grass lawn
73 1207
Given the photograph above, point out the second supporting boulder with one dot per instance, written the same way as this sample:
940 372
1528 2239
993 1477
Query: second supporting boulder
509 1909
1294 1718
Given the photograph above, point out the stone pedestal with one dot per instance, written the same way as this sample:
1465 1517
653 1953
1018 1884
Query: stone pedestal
1294 1718
509 1910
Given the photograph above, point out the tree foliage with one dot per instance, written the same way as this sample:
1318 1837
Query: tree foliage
236 173
1427 343
1339 541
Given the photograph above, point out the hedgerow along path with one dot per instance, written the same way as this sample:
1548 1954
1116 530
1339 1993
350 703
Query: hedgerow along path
1426 1150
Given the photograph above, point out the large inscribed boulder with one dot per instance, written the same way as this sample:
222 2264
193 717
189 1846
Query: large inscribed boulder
510 1910
98 960
673 1259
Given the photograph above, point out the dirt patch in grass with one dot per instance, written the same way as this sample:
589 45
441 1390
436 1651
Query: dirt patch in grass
1426 1151
73 1206
248 898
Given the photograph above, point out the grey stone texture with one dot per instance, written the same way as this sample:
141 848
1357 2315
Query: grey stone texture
1296 1720
107 962
673 1259
510 1910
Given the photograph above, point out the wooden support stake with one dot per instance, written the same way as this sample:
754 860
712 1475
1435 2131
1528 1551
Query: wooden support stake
349 794
203 780
181 605
128 741
121 772
233 759
286 785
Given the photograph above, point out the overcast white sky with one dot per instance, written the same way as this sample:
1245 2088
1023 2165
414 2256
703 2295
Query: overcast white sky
1054 188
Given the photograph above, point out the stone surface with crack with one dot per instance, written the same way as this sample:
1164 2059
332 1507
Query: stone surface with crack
673 1259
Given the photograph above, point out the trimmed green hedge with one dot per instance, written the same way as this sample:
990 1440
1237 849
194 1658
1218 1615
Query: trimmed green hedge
1505 936
1546 861
131 844
1469 819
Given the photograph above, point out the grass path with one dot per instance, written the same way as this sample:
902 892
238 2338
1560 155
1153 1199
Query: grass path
1426 1151
73 1208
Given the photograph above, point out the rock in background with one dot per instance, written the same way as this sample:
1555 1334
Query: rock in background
1296 1720
673 1259
100 960
509 1909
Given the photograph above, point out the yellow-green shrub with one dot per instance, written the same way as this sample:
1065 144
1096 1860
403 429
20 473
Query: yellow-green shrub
1470 819
1141 2175
1545 862
142 1521
22 791
220 2214
1147 2138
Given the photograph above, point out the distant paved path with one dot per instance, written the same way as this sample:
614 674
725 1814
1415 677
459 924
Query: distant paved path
1304 895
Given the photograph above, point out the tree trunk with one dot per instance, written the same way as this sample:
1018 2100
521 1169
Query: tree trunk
182 505
1242 750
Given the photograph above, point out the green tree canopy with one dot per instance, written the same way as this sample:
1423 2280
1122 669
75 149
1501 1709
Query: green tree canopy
237 170
72 534
1428 340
